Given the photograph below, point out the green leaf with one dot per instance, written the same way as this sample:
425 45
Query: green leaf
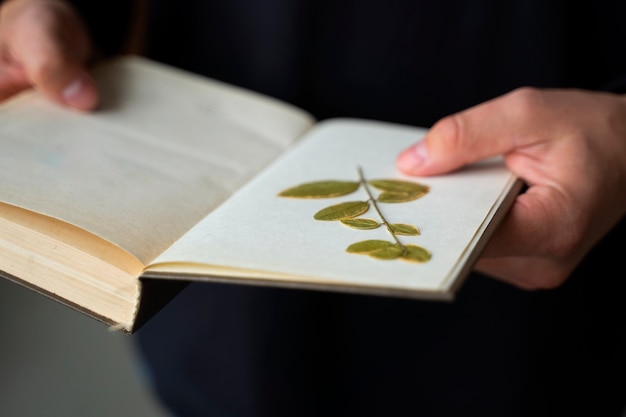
415 253
391 252
321 189
367 246
342 211
399 186
391 197
397 191
404 229
362 224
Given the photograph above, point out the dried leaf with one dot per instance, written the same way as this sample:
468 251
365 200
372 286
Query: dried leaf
415 253
361 224
404 229
397 191
367 246
321 189
399 186
390 197
391 252
342 211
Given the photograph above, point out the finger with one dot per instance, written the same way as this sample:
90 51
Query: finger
81 92
527 273
60 75
51 48
12 81
453 142
524 251
492 128
522 224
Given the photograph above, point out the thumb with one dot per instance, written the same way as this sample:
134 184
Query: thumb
45 45
63 80
457 140
78 91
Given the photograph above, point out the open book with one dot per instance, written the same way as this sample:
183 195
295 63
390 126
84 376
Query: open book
179 178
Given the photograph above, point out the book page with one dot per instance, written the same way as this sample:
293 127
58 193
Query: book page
257 235
164 148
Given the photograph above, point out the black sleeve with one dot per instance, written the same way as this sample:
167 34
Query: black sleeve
617 85
108 22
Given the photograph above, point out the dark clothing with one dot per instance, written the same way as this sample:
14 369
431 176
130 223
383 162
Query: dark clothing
407 61
221 350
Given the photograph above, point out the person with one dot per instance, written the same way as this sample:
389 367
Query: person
539 329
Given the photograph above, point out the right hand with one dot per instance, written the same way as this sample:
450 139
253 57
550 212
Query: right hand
44 44
569 147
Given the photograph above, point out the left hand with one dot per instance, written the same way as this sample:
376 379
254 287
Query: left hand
569 146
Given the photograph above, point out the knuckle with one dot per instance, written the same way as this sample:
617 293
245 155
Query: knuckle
450 130
526 102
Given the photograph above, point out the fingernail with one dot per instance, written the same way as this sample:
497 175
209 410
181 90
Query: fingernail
412 158
419 154
73 89
78 94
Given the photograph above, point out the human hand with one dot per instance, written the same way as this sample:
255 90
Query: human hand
569 146
43 44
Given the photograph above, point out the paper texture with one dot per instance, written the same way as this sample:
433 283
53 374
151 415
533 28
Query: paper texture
163 150
257 231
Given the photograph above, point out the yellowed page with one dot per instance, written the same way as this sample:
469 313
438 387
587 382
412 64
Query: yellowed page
256 235
69 265
164 149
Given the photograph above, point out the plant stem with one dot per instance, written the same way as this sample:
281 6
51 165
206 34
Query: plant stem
375 204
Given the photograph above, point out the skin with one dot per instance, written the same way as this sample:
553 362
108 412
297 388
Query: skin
569 146
43 44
